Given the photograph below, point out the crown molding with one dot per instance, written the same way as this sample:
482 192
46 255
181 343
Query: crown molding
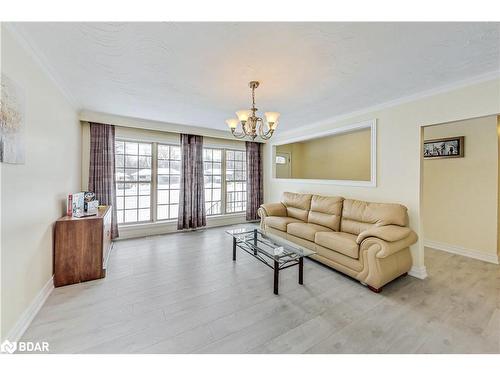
489 76
42 62
141 123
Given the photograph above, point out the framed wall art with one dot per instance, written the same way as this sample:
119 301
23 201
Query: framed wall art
452 147
12 116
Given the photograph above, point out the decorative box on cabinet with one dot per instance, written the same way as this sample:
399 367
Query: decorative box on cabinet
82 247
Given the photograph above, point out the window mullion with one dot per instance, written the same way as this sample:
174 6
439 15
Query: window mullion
223 182
154 181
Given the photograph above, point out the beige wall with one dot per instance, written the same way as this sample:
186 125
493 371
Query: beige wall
398 148
460 194
34 194
336 157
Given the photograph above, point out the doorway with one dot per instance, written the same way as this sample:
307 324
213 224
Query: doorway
460 188
283 165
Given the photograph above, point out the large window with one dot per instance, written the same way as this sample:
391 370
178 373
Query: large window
148 181
169 180
236 181
212 169
133 176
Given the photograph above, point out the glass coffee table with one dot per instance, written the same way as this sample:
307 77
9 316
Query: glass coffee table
275 252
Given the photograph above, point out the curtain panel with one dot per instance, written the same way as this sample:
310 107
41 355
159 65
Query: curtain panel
192 212
102 168
255 191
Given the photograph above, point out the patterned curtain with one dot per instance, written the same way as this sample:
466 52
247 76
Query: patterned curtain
192 194
102 168
255 191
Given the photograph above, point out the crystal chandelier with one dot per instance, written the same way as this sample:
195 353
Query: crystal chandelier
250 123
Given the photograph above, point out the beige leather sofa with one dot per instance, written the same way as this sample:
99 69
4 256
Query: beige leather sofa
367 241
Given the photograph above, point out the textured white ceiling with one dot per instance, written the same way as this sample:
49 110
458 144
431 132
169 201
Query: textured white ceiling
197 73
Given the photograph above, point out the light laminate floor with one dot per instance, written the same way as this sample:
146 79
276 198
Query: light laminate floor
182 293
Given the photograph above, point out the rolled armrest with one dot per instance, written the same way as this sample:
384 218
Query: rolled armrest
389 233
273 209
388 248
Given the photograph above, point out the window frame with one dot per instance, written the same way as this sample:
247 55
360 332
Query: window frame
156 220
222 176
244 161
138 182
154 181
224 211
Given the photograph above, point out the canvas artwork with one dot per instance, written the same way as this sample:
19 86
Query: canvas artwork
444 148
12 118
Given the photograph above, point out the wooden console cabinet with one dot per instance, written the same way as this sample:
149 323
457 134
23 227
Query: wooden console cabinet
82 246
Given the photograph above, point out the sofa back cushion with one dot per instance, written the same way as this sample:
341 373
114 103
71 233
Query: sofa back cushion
326 211
358 216
297 205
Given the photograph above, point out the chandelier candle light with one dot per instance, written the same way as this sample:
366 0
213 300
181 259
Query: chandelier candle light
250 123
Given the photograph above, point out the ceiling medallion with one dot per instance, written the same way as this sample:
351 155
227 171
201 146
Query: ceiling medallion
250 123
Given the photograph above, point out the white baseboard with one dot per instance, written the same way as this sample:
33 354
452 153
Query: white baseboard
418 272
17 332
459 250
153 229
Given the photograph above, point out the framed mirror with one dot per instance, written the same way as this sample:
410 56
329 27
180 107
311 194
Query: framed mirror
341 156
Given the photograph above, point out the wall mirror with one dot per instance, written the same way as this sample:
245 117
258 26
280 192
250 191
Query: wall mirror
342 156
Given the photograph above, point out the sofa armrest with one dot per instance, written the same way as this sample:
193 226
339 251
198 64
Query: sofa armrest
272 209
387 248
389 233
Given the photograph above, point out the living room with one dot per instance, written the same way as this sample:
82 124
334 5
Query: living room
152 170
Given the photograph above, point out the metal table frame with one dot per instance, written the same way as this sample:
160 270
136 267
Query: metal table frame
276 262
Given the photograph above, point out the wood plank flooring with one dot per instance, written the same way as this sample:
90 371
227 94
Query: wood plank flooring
182 293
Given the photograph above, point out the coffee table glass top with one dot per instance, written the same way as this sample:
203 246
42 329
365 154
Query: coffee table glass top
269 245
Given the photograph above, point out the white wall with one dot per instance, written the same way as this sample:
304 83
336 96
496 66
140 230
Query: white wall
460 194
33 195
398 148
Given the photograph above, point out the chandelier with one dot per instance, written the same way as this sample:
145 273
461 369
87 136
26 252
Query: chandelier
251 123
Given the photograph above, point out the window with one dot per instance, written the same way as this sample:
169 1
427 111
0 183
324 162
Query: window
212 170
280 160
228 166
236 181
133 176
168 182
148 181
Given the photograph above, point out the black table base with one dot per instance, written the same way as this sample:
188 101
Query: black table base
276 264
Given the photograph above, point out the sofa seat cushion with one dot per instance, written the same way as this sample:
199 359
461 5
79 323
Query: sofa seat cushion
280 222
306 231
344 243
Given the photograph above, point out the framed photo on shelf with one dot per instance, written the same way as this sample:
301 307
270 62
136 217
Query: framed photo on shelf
441 148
